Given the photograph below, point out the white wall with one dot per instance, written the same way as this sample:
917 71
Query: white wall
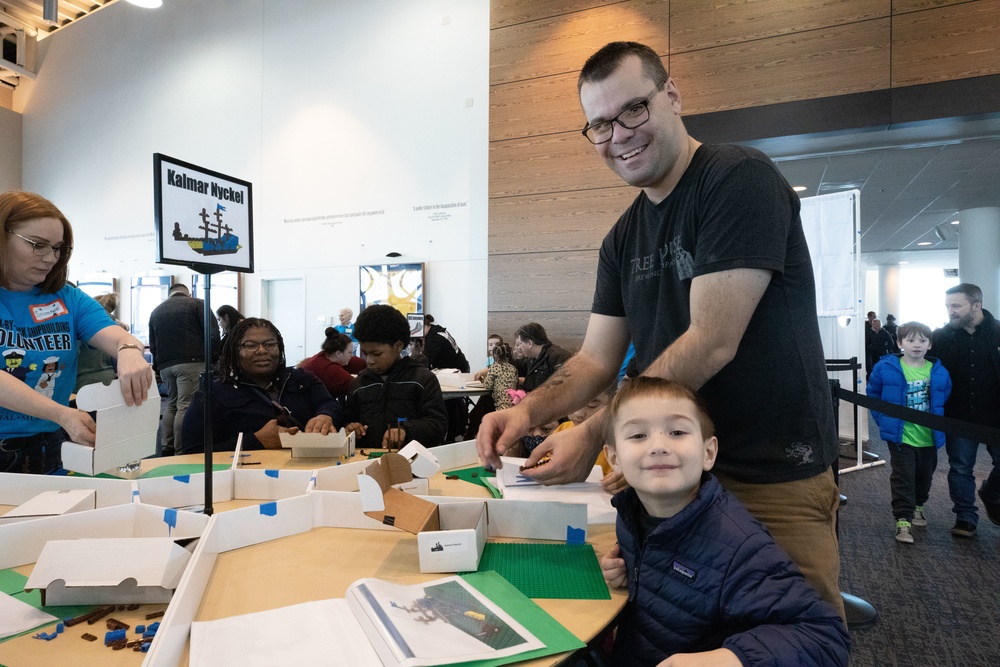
330 109
10 150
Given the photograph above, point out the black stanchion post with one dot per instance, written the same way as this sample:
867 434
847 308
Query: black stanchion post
206 383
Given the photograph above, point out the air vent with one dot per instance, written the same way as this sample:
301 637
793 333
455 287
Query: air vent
951 273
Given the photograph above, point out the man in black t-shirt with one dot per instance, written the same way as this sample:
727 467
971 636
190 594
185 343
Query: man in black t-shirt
709 274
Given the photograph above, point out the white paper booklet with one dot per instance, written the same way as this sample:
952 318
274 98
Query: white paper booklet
437 623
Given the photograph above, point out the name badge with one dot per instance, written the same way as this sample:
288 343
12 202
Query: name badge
41 313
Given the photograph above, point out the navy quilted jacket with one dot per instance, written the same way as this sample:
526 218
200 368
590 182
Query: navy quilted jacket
712 577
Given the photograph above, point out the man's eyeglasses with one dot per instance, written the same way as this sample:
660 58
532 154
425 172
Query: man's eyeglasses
43 249
253 346
631 118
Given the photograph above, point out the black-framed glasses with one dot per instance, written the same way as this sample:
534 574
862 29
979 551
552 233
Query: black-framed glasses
43 249
631 118
253 346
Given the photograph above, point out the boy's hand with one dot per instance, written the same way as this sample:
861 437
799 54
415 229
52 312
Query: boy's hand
356 427
394 438
720 657
613 568
614 482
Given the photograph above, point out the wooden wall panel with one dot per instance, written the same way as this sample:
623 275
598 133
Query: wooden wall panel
697 24
562 44
534 107
558 222
512 12
905 6
819 63
566 328
542 281
954 42
554 163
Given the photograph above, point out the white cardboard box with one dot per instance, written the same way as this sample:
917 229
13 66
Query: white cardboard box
315 445
52 503
124 434
133 570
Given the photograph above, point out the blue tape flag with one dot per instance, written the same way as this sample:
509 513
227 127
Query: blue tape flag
271 473
170 517
575 535
269 509
183 479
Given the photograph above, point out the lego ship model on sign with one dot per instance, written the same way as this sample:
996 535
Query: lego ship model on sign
218 238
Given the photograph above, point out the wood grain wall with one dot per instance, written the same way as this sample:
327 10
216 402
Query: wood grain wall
552 200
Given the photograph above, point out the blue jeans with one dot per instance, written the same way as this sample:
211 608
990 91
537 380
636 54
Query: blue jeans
962 454
36 454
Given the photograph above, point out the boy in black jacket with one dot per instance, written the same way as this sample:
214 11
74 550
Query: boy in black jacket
395 399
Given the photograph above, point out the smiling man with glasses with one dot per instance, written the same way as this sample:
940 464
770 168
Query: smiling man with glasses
709 274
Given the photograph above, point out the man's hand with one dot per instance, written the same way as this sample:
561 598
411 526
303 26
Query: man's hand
613 568
135 375
614 482
79 426
356 427
720 657
500 431
573 453
322 424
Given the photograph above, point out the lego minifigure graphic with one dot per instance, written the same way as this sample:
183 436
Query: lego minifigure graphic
13 360
46 384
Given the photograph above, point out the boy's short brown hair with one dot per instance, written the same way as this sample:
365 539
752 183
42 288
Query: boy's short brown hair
904 330
644 386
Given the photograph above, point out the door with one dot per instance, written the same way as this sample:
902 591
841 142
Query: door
285 306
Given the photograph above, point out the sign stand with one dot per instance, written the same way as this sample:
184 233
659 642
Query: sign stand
204 221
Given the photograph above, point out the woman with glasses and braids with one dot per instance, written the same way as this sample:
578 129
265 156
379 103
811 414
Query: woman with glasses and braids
41 318
258 396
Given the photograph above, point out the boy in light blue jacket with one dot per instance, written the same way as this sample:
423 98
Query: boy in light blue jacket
914 380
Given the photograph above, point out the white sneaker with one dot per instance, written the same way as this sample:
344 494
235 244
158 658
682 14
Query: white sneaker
903 532
918 516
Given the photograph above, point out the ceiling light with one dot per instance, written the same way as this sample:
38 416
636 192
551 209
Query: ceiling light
149 4
800 188
905 261
954 222
924 243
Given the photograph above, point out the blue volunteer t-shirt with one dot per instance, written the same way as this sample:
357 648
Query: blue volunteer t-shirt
38 334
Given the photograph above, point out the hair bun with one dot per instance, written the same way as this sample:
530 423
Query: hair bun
331 332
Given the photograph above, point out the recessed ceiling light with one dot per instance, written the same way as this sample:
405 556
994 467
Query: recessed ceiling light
954 222
905 261
800 188
924 243
149 4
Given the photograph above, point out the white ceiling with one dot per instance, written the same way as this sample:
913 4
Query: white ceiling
913 180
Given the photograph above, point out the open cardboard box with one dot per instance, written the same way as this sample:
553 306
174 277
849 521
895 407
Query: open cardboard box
124 434
247 526
52 503
315 445
122 570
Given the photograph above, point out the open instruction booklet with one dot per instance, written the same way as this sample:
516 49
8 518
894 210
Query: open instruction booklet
442 622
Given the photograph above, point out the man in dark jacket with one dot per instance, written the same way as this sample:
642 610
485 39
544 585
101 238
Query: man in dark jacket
970 343
394 400
542 355
177 343
879 343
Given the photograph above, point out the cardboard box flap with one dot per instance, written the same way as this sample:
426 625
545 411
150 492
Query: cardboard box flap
422 462
139 561
391 506
54 503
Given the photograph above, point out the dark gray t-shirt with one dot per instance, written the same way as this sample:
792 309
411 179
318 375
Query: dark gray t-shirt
731 209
